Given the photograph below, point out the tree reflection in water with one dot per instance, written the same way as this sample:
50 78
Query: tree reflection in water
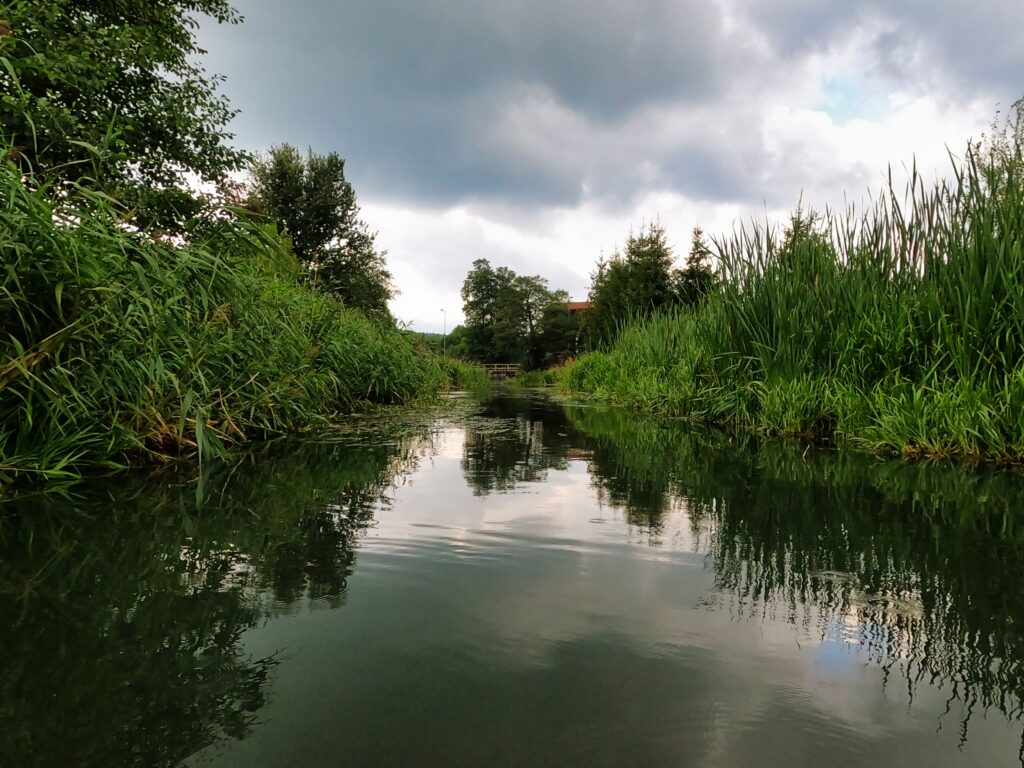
515 439
124 618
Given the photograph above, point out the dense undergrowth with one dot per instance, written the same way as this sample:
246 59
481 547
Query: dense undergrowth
900 330
118 347
463 375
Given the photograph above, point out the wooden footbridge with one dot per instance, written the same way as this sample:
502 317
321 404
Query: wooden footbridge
501 370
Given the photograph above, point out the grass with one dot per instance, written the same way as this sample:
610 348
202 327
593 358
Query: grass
546 377
898 329
463 375
118 348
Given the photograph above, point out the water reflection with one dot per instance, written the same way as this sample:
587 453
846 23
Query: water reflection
125 608
515 440
133 612
918 564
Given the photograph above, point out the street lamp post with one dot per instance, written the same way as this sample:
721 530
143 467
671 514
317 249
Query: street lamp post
444 335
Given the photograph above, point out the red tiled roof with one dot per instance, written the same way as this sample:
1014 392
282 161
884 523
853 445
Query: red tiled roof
578 305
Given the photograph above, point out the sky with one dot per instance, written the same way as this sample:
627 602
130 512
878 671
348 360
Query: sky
538 133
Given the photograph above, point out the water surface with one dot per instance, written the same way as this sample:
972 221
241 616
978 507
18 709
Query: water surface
519 582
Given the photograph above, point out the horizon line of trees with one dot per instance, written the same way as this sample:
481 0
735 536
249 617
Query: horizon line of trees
512 318
643 278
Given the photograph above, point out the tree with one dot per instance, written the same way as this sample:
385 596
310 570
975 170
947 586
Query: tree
493 306
455 344
534 297
697 280
90 80
609 303
560 330
635 283
806 248
479 302
360 278
650 259
505 314
315 205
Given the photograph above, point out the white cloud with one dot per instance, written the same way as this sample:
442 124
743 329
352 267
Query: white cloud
807 154
535 135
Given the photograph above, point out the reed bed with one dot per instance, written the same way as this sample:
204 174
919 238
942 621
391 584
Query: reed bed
117 347
899 329
465 376
544 377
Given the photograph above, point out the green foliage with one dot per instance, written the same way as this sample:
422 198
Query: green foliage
543 377
899 329
633 284
561 332
513 318
115 346
119 78
455 344
451 344
463 375
697 280
315 206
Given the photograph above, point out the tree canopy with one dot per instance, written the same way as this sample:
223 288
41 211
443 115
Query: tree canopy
642 279
513 318
116 81
313 203
633 283
697 279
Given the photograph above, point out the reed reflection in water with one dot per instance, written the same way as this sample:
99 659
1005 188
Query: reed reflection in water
519 582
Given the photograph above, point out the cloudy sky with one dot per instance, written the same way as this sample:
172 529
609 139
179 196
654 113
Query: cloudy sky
535 133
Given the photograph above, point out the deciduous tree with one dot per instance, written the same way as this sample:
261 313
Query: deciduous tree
507 315
313 203
113 92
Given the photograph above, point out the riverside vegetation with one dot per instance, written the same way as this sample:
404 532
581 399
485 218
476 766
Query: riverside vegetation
900 330
140 319
117 346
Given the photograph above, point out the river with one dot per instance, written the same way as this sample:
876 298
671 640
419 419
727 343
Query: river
518 582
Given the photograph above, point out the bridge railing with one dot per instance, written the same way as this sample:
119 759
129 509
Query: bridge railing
501 370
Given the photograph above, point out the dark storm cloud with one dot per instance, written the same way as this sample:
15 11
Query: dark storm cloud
413 93
537 102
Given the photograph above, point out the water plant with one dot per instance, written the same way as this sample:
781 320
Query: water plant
898 328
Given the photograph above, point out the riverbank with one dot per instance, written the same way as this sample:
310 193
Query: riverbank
898 330
119 348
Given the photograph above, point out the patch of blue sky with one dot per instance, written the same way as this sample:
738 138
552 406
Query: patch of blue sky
850 98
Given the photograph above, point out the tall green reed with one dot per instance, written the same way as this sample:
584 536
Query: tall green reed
900 327
117 346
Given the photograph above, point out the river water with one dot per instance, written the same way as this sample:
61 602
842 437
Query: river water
519 582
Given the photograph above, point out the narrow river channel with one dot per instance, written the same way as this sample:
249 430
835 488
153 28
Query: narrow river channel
519 582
